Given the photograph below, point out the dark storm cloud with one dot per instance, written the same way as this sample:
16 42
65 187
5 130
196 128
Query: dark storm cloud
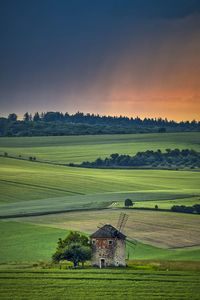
156 8
52 52
49 43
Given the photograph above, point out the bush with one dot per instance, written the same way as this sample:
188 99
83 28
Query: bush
186 209
128 202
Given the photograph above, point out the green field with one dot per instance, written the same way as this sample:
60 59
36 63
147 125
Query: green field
162 204
161 229
36 188
23 181
95 284
23 242
77 149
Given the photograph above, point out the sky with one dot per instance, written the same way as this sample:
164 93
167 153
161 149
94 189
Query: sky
112 57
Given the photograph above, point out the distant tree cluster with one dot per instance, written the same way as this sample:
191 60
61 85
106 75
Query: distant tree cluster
57 123
32 158
195 209
93 119
171 158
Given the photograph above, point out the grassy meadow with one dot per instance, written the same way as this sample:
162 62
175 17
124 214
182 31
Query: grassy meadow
160 229
24 181
45 201
36 188
95 284
76 149
162 204
27 242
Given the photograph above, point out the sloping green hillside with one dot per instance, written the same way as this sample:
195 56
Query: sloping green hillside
20 242
25 181
66 149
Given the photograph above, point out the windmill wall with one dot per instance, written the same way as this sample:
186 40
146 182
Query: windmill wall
108 252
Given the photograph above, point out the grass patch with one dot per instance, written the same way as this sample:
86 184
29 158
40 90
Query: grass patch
160 229
29 187
162 204
20 242
66 149
26 181
164 265
98 284
85 202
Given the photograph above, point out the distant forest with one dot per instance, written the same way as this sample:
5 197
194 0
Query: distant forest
57 124
171 159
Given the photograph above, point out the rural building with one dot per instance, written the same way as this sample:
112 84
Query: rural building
108 247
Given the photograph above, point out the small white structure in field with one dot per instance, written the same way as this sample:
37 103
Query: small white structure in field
108 247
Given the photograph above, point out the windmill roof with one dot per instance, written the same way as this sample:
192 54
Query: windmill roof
108 231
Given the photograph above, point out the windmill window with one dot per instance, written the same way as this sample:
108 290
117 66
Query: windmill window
110 242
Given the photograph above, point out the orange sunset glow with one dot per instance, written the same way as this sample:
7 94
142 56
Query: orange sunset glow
131 60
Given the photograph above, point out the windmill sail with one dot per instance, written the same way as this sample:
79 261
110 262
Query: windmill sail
116 232
122 221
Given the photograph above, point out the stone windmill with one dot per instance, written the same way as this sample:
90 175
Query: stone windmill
109 245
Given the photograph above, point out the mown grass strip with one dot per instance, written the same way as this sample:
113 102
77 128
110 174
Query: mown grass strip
88 181
118 284
41 186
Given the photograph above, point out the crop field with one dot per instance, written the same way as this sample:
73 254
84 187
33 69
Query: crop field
98 284
77 149
162 204
105 200
24 180
161 229
79 199
27 242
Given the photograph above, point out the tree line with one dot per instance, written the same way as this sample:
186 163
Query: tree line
41 124
195 209
171 158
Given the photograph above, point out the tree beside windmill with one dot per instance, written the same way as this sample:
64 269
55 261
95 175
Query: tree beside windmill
108 247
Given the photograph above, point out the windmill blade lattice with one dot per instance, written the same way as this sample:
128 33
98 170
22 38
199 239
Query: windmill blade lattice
122 221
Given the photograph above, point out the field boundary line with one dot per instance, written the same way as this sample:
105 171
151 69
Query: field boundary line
41 186
49 213
73 165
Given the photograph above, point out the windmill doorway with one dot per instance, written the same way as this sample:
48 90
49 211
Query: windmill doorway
102 263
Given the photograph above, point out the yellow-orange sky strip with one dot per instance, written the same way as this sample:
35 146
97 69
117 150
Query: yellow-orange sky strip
164 82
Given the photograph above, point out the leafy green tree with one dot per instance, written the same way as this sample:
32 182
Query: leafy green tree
73 237
128 202
183 209
161 129
114 156
12 117
197 208
74 252
27 117
168 150
36 117
75 247
99 162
